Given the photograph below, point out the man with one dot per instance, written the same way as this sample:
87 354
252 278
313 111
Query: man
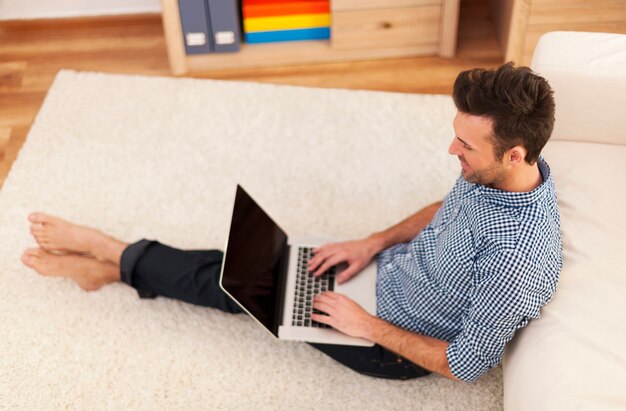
455 280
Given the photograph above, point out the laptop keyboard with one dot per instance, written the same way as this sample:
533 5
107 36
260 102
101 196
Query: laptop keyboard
307 287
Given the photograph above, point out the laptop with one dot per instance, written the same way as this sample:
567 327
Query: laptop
266 273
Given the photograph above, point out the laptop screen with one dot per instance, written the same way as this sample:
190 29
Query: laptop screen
254 267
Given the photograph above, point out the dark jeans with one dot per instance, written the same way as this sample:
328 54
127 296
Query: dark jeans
192 276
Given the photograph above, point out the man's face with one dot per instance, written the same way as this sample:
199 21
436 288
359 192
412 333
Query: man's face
473 145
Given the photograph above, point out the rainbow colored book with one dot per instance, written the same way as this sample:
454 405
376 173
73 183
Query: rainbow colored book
268 21
290 22
268 8
318 33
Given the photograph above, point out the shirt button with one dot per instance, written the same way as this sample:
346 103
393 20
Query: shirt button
467 231
389 266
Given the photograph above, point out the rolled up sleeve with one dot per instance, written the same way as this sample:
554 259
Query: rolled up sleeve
509 293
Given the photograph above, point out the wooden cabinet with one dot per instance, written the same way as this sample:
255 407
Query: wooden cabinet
360 30
371 29
520 23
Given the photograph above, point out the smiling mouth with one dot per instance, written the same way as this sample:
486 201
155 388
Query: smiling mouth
463 163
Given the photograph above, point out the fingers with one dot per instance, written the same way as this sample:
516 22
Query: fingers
332 254
319 255
340 312
327 296
324 319
324 258
323 247
328 263
348 273
325 303
322 305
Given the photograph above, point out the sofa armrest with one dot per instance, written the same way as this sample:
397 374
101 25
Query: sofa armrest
588 74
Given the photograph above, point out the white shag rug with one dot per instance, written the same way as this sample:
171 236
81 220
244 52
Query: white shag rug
159 158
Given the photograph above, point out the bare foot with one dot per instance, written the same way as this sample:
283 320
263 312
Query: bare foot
55 234
88 273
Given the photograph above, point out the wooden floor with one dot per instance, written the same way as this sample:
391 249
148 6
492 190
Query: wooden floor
32 52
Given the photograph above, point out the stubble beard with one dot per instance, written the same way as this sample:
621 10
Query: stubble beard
489 176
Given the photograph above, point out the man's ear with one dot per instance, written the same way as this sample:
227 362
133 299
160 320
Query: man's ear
516 155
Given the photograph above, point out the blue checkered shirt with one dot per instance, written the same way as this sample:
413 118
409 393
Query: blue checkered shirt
484 266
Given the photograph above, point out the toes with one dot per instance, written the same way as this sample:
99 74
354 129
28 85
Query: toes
39 218
27 260
39 234
29 257
35 217
35 252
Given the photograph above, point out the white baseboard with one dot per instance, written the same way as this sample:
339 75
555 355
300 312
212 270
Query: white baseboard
41 9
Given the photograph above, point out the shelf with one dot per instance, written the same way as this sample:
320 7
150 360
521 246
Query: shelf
427 29
297 52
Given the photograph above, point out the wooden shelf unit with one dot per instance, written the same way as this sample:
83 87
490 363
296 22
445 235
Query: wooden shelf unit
520 23
360 30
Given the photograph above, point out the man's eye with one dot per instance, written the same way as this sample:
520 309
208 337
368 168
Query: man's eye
466 147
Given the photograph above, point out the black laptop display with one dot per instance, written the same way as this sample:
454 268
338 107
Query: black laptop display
255 263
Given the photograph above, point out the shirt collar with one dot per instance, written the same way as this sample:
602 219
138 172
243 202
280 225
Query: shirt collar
512 199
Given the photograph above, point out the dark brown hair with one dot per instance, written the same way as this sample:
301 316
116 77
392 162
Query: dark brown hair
520 103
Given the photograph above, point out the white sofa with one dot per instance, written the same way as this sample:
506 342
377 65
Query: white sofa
574 356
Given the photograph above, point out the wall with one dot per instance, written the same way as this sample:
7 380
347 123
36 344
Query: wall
36 9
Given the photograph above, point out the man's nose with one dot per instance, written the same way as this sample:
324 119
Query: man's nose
453 149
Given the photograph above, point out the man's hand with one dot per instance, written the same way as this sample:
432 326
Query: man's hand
357 254
344 314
